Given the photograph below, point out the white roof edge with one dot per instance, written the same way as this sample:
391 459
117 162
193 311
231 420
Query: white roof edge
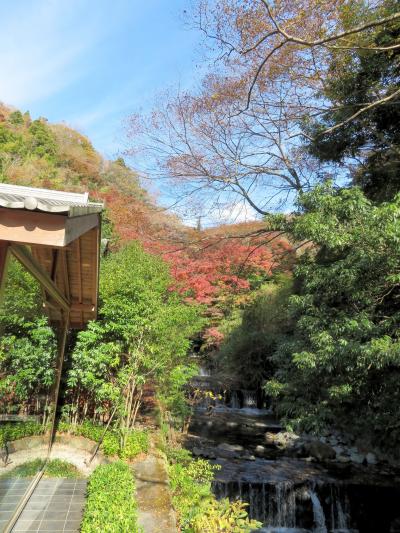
79 198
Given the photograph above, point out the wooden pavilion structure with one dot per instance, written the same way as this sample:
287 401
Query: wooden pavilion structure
56 236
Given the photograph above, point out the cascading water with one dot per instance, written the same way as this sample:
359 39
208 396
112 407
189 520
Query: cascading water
249 398
319 515
339 511
234 401
282 506
285 506
204 372
285 493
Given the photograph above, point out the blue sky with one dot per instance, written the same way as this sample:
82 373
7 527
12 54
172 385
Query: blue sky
90 63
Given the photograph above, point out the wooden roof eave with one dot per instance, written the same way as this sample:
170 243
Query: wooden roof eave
47 229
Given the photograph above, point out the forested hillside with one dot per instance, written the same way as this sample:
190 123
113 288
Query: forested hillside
38 154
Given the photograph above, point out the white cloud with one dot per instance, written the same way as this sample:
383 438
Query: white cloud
235 213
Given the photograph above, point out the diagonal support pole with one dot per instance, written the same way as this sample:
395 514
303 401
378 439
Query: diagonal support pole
25 257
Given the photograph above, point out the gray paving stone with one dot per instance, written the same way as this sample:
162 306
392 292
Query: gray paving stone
52 525
55 506
32 515
26 526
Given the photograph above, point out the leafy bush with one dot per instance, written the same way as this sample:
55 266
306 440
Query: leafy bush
197 509
110 506
224 516
136 442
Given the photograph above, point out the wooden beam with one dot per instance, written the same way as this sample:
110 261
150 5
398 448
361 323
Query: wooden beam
74 306
65 273
25 257
31 227
79 267
62 342
82 307
3 265
77 226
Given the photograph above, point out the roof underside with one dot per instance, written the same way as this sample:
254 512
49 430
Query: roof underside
56 236
76 276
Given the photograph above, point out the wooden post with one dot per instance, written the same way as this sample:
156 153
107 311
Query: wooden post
62 341
3 266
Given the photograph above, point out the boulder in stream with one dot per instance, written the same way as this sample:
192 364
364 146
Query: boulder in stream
319 450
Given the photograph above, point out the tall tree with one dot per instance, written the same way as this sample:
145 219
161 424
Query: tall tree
238 138
341 365
371 139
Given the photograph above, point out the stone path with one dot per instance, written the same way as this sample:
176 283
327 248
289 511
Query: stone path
11 493
56 505
155 511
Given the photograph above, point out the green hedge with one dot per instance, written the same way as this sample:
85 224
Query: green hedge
136 441
111 506
18 430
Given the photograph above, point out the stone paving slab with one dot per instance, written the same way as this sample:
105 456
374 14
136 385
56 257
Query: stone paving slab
155 511
56 505
12 491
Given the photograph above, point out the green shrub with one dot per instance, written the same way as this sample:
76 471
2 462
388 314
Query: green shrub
110 506
224 516
136 441
197 509
16 118
18 430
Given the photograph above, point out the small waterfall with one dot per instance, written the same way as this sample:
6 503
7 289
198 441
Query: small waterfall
249 398
339 514
285 499
342 518
234 401
204 372
319 515
286 507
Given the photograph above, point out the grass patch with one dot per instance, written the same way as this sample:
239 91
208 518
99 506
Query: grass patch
110 505
55 468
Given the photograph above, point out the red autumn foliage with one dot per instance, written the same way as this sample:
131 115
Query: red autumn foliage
218 264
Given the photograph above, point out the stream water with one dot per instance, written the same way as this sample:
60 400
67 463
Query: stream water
287 495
